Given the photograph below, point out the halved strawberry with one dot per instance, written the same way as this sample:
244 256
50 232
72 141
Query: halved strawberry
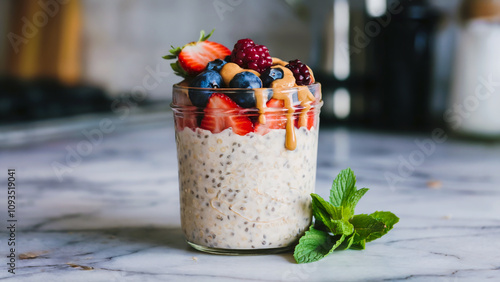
310 119
275 117
216 120
193 57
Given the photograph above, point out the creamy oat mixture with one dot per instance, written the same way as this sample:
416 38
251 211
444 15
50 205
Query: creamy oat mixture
245 192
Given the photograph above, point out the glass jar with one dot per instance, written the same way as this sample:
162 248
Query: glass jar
475 94
246 191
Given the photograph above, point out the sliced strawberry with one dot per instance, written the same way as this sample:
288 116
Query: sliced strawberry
186 120
310 119
275 117
216 121
275 103
193 57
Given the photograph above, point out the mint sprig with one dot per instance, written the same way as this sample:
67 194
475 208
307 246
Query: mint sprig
335 225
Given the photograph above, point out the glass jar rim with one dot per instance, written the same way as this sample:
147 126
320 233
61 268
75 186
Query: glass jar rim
181 95
178 86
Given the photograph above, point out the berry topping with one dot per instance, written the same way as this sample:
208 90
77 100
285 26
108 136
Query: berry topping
275 103
216 65
300 72
270 75
311 120
245 79
244 99
250 56
275 117
217 117
206 79
242 44
193 57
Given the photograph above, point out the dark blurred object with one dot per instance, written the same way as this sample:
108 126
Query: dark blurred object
474 107
381 65
403 60
29 100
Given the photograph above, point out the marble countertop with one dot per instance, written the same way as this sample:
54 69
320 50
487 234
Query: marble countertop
112 212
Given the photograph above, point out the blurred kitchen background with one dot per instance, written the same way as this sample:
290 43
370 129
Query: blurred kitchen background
384 64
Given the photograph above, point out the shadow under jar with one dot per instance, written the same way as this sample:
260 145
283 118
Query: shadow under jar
247 193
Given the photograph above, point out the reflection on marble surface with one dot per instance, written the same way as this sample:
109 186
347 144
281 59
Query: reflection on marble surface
115 216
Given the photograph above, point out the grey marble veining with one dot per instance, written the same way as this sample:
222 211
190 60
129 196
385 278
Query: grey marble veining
115 215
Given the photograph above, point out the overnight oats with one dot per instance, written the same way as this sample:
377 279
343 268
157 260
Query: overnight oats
246 134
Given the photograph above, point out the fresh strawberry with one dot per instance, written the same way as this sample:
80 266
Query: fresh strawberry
275 103
193 57
216 121
186 120
310 119
275 117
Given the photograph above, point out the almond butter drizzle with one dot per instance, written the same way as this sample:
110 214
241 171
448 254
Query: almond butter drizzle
260 103
229 70
280 88
281 91
278 61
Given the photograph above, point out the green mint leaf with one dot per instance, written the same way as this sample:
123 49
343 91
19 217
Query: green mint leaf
323 210
331 217
354 198
315 245
347 243
388 219
342 188
335 225
360 245
319 225
341 227
344 193
365 226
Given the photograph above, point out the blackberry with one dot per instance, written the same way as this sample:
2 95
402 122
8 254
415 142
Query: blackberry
250 56
300 72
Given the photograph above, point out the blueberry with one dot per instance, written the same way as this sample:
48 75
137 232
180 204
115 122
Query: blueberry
245 79
227 59
206 79
245 99
216 65
270 75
